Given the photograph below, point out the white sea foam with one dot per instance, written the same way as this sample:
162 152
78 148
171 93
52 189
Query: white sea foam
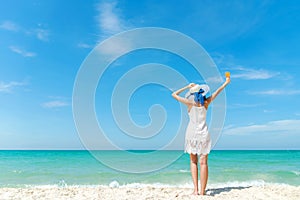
145 185
296 172
17 171
114 184
62 183
238 184
184 171
190 185
212 185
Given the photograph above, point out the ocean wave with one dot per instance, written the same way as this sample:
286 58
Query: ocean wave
239 184
156 185
116 184
184 171
190 185
17 171
296 172
62 183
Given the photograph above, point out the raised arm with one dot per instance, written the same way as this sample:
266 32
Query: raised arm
176 96
217 92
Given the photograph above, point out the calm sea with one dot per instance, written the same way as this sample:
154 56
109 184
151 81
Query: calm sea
226 168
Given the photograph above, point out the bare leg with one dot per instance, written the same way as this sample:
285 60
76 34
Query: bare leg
194 172
203 173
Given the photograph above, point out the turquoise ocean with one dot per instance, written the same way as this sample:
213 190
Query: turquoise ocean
79 168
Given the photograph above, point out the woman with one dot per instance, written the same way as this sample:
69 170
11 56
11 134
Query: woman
197 138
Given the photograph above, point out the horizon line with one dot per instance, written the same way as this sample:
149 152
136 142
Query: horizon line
76 149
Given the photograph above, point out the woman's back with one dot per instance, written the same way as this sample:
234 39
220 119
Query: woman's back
197 138
198 119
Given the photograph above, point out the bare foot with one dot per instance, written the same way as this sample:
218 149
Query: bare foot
195 193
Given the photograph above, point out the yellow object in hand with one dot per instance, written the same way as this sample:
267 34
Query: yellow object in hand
227 74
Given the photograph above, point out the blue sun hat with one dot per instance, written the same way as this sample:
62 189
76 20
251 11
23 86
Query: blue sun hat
199 93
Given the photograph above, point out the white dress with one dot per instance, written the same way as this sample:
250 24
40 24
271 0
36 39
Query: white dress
197 138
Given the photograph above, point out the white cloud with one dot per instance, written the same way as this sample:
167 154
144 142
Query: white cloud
54 104
252 74
109 20
228 63
275 92
10 26
222 59
84 45
214 79
116 46
8 87
22 52
268 111
41 34
238 106
280 126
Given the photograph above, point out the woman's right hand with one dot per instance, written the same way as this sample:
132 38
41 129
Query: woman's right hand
191 85
227 80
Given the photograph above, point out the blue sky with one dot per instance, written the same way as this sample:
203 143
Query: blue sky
43 44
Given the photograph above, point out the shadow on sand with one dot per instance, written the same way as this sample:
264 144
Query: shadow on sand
214 191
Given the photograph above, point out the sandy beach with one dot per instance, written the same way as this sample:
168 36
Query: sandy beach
99 192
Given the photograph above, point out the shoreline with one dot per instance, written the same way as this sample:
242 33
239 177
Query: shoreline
267 191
